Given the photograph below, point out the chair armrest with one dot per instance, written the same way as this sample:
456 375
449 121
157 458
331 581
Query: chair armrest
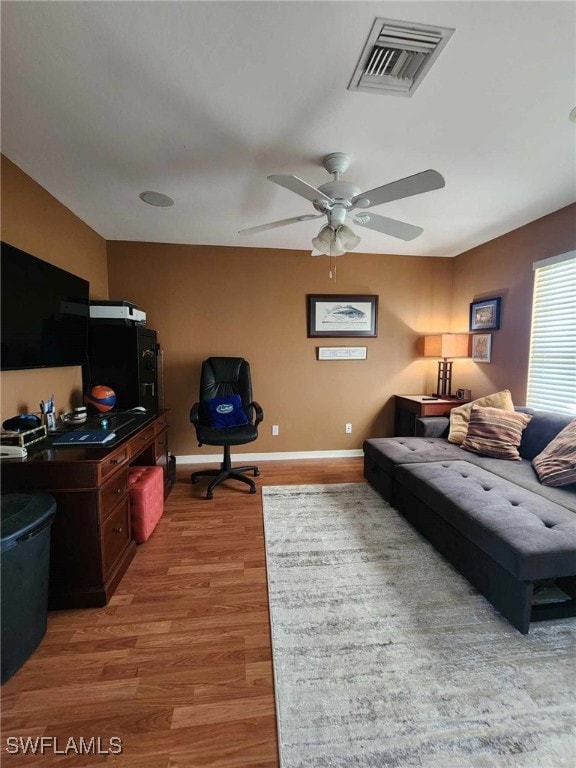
195 413
432 426
258 410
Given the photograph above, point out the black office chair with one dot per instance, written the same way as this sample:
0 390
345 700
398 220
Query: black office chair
224 377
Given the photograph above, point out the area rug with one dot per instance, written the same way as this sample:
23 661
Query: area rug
385 657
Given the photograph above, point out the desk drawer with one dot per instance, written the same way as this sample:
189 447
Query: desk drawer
114 536
160 423
138 443
112 492
113 461
161 446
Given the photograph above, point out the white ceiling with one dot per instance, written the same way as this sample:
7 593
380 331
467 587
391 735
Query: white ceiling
203 100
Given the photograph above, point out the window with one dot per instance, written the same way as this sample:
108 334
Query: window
552 367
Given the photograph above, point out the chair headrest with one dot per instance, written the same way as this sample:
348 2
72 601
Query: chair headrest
226 370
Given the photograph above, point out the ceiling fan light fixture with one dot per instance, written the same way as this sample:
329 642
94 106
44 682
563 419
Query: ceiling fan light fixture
348 238
337 216
337 246
324 239
335 241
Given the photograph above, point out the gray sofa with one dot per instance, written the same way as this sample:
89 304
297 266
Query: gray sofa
508 534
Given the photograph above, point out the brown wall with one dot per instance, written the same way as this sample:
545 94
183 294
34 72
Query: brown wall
251 303
503 267
36 222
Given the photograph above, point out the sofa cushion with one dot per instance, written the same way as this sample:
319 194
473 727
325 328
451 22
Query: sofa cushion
543 427
387 452
495 432
460 416
556 465
523 474
528 535
382 455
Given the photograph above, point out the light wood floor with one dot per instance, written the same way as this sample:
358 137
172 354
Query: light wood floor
178 665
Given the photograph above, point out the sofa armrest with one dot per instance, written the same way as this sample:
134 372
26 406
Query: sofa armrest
432 426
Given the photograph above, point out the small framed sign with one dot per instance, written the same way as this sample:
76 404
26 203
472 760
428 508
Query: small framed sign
341 353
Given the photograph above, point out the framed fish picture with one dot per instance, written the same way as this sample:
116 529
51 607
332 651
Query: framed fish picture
342 315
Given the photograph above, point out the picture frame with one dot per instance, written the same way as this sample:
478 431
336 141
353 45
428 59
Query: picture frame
342 315
485 314
482 347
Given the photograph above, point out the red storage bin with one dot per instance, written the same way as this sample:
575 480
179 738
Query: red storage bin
146 489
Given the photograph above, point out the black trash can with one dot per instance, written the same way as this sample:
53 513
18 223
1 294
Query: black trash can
25 553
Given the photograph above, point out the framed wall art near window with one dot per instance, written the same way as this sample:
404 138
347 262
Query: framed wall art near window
485 315
341 315
482 347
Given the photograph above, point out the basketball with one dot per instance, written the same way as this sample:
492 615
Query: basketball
100 397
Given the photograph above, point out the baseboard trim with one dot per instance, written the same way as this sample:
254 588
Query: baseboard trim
243 458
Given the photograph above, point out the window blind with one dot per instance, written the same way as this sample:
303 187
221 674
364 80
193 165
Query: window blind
552 367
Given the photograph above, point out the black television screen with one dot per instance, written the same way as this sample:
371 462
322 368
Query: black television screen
45 312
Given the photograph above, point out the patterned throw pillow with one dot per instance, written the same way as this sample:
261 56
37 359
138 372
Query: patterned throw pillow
495 432
460 416
556 465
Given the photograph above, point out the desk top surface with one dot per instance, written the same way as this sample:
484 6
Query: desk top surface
124 424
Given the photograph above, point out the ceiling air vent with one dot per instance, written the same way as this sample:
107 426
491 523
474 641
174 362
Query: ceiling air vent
397 56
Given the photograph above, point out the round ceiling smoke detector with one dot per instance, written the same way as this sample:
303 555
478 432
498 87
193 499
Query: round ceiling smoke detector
157 199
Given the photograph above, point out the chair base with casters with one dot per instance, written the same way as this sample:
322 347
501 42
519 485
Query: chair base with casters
226 472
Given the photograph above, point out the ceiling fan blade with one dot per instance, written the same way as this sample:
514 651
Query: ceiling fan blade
425 181
388 226
281 223
302 188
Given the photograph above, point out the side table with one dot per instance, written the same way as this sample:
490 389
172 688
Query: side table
407 408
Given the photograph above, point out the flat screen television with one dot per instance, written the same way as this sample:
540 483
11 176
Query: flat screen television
44 313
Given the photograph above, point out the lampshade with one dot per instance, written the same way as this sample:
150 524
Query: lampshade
446 345
335 242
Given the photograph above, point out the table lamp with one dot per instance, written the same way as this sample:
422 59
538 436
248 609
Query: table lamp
446 345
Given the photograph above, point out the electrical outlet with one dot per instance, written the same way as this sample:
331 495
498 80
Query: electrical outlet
348 429
275 429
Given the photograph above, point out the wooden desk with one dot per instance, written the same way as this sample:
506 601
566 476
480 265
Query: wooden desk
407 408
91 546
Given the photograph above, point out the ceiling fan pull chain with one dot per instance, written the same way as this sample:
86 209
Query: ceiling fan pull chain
332 272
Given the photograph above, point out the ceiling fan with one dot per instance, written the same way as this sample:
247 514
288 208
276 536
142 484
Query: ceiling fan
338 200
